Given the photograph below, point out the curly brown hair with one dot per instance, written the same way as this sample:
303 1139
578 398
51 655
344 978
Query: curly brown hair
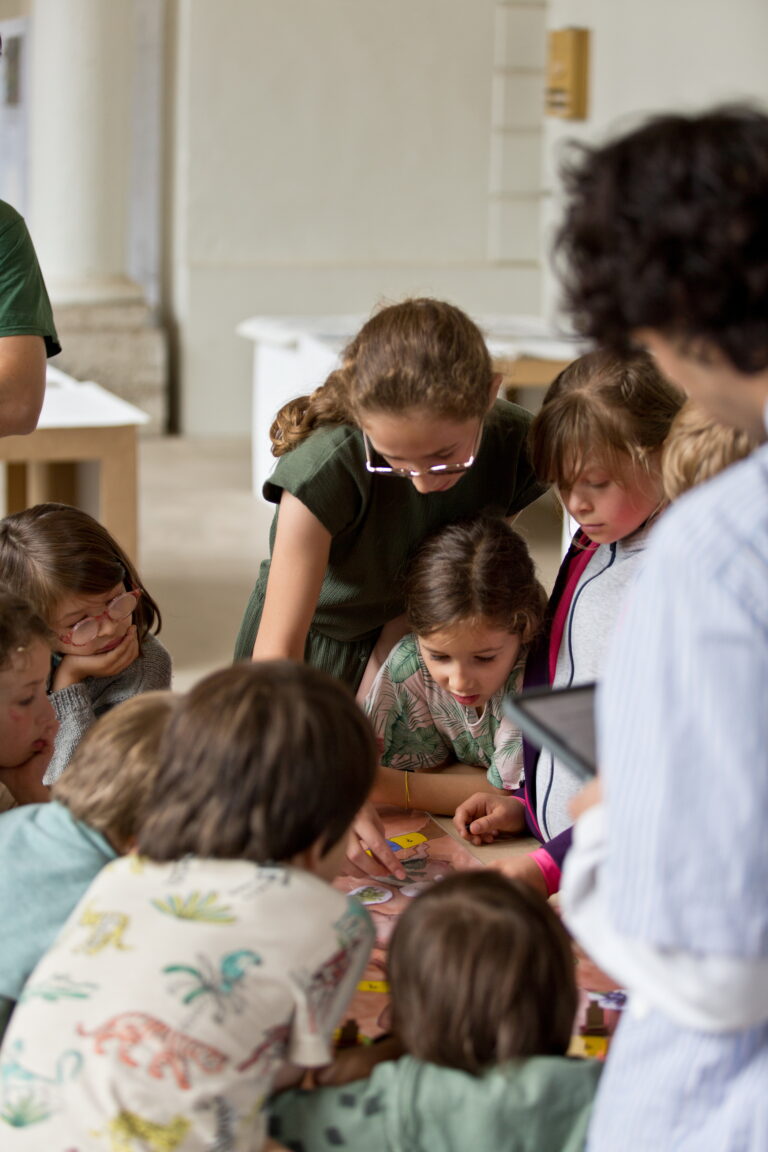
481 971
666 228
422 353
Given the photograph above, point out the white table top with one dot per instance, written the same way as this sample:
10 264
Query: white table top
69 403
507 335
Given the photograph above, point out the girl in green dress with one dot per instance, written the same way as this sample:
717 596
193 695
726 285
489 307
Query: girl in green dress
405 437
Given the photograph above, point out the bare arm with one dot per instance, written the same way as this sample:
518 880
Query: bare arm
438 792
299 561
22 383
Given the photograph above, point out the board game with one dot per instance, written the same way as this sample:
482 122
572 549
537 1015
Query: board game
428 853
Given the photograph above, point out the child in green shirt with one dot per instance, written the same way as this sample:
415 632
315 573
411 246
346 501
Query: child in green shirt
406 436
483 1002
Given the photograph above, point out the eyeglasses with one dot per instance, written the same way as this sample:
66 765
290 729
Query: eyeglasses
413 473
88 629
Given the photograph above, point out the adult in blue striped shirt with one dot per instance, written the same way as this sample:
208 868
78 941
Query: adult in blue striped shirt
666 236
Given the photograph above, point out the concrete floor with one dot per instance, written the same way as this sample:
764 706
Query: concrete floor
203 535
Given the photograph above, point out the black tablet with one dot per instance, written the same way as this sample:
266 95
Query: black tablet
562 720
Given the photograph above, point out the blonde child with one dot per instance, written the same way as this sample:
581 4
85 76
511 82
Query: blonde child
49 853
27 721
598 438
405 437
483 1002
697 448
80 581
473 604
220 957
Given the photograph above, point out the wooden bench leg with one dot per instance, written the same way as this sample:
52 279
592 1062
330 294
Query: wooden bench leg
40 481
15 488
118 502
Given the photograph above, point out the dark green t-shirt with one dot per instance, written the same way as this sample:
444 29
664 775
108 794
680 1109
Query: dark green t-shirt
25 309
376 522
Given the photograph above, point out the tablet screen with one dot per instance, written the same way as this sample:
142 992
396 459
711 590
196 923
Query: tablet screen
562 720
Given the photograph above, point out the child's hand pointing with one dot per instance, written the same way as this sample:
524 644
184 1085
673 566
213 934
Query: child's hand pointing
367 831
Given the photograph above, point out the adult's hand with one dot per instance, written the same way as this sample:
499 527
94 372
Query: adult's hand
589 795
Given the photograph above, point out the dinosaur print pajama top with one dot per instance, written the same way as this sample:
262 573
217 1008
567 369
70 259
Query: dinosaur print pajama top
169 1002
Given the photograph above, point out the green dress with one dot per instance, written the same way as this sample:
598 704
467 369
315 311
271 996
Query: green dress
376 523
541 1104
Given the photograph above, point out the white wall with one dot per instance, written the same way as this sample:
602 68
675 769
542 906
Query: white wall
652 56
328 155
13 9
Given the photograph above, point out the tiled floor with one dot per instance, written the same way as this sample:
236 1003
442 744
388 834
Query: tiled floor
203 535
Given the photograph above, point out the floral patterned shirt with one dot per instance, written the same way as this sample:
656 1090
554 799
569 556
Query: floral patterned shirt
420 726
169 1002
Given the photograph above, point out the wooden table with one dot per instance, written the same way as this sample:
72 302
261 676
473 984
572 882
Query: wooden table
80 423
501 849
521 372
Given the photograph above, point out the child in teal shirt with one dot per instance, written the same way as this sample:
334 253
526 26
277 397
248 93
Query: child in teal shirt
50 853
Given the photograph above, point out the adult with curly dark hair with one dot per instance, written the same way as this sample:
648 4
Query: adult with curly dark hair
666 242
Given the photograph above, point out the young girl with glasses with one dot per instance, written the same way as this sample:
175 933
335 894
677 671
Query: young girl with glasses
405 437
80 581
474 605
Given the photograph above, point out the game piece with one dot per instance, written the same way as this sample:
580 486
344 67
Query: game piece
376 986
372 894
411 890
406 840
594 1022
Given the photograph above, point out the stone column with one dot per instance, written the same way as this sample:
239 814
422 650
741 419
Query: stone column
79 134
85 99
